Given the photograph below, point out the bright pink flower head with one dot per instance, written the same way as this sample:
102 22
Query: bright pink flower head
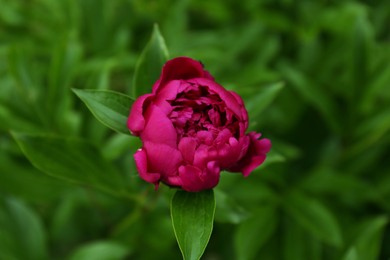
191 129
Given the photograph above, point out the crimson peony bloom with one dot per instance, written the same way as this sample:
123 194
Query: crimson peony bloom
191 129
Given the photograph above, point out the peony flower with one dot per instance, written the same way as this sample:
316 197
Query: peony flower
192 128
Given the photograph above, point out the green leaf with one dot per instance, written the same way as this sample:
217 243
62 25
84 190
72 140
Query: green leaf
71 160
192 218
312 215
263 99
252 234
272 157
370 131
362 46
100 250
22 235
312 94
109 107
228 210
16 178
351 254
368 243
298 243
150 64
65 58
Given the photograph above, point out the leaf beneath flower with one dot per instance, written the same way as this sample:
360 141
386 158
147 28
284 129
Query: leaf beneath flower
192 218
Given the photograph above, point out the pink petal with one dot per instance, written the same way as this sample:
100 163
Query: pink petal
225 95
205 137
204 154
173 181
142 167
179 68
223 137
230 153
158 128
190 179
194 179
187 147
255 155
136 120
207 75
244 112
169 92
162 158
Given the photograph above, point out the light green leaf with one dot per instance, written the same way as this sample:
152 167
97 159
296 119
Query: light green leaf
71 160
109 107
22 235
272 157
192 218
368 243
351 254
252 234
312 215
150 64
101 250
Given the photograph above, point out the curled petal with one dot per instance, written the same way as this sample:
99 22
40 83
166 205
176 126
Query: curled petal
169 92
244 112
142 167
187 147
136 120
162 158
204 154
180 68
231 152
255 155
158 128
194 179
223 136
225 95
173 181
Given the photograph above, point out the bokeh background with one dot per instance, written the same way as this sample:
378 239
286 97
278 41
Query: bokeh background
324 192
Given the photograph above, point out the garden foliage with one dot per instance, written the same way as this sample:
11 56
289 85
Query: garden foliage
315 78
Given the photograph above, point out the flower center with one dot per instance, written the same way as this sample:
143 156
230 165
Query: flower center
198 109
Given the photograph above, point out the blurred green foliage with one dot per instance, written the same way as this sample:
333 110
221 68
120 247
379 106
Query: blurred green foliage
324 192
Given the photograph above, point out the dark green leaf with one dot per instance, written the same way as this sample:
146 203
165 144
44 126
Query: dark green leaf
109 107
362 40
22 235
311 93
71 160
368 243
16 179
312 215
192 218
298 243
254 232
150 64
